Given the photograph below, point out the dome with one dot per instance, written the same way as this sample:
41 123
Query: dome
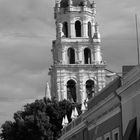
65 3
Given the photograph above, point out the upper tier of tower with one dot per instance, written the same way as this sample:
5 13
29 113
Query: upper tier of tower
75 20
64 6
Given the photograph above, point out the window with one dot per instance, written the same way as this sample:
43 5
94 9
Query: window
71 91
71 56
78 28
87 56
65 29
89 29
115 134
90 88
107 136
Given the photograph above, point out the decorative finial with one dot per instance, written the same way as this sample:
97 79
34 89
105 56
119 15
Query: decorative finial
97 34
75 112
47 91
83 108
72 115
96 27
66 120
63 122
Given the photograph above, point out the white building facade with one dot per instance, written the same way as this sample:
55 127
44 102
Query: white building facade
78 71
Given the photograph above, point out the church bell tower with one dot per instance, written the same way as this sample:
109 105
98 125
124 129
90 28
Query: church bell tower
78 71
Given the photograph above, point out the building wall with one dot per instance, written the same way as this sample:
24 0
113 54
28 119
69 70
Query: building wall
130 96
131 105
106 127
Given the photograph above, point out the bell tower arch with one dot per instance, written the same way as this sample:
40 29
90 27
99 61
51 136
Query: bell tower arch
77 57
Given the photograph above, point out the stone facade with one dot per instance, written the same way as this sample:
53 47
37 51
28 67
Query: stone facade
78 71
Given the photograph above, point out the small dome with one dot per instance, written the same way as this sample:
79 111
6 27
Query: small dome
65 3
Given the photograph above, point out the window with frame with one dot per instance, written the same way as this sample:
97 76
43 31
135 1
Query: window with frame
107 136
78 28
115 134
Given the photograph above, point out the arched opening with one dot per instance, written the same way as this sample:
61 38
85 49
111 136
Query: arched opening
90 88
89 29
87 56
78 28
71 91
71 56
65 29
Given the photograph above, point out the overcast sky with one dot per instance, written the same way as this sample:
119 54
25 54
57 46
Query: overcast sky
26 31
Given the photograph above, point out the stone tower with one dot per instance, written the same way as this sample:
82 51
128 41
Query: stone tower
77 72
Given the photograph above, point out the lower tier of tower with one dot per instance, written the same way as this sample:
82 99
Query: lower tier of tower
76 83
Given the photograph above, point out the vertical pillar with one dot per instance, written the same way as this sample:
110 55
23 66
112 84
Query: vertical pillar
93 29
60 32
85 29
82 87
80 55
58 90
84 93
65 91
92 56
72 29
98 56
64 60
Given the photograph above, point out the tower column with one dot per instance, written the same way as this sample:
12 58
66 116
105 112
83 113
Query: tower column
60 32
82 88
93 29
98 56
92 56
72 29
80 55
58 91
64 59
63 89
65 92
84 93
85 29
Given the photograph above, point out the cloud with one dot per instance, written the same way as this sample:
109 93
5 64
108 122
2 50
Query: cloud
27 29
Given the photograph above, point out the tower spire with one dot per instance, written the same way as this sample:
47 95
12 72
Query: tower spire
47 91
